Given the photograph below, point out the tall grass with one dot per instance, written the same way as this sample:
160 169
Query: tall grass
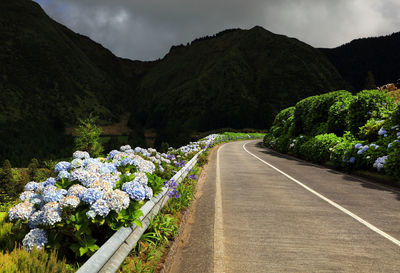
20 260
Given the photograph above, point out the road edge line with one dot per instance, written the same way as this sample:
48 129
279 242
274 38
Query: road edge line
354 216
218 223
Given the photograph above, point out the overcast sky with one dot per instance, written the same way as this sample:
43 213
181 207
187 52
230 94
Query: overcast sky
146 29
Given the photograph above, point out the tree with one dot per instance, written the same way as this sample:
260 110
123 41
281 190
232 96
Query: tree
7 179
88 137
33 169
369 81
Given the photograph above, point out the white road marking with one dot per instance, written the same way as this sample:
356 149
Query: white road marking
218 224
359 219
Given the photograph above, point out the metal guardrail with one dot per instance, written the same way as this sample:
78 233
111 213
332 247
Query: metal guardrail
113 252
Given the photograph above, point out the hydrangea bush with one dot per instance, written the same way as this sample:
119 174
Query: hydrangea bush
362 132
91 197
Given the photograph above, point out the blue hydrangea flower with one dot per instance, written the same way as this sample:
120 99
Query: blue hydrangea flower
90 214
125 147
63 175
31 186
35 238
21 211
352 160
52 194
380 162
148 192
135 190
382 131
89 161
70 201
374 145
117 200
107 168
77 163
398 134
358 146
91 195
100 207
76 190
62 166
80 155
49 182
112 154
26 195
51 213
36 219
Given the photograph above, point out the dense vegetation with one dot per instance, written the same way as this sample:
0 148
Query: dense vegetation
360 59
352 132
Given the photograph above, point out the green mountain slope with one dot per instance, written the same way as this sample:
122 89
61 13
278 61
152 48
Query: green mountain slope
50 77
379 55
237 78
49 72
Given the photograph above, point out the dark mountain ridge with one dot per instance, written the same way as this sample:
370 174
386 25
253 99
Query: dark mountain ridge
229 80
378 55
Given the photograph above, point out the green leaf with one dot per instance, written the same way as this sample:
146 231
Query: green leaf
138 223
83 250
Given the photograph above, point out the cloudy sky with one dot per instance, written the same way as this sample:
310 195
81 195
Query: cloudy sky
146 29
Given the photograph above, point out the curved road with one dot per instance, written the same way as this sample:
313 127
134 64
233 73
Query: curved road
259 211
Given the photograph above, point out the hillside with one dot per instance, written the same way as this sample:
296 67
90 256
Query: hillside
51 77
380 55
237 78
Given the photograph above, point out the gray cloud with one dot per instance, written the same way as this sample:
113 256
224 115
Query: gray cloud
145 30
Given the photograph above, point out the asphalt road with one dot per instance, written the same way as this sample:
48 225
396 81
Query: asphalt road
259 211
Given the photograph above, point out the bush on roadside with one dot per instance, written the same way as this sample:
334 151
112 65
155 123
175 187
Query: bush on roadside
318 148
366 105
344 154
311 113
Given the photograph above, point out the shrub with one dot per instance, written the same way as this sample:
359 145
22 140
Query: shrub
393 161
296 144
370 130
283 123
366 105
337 114
33 169
344 154
312 111
88 137
317 149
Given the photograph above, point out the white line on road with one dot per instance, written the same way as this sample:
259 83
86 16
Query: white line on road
362 221
218 224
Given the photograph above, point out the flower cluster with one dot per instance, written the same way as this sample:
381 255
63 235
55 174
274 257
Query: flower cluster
380 163
94 186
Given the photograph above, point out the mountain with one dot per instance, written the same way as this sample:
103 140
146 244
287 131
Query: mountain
236 78
378 55
50 77
50 72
